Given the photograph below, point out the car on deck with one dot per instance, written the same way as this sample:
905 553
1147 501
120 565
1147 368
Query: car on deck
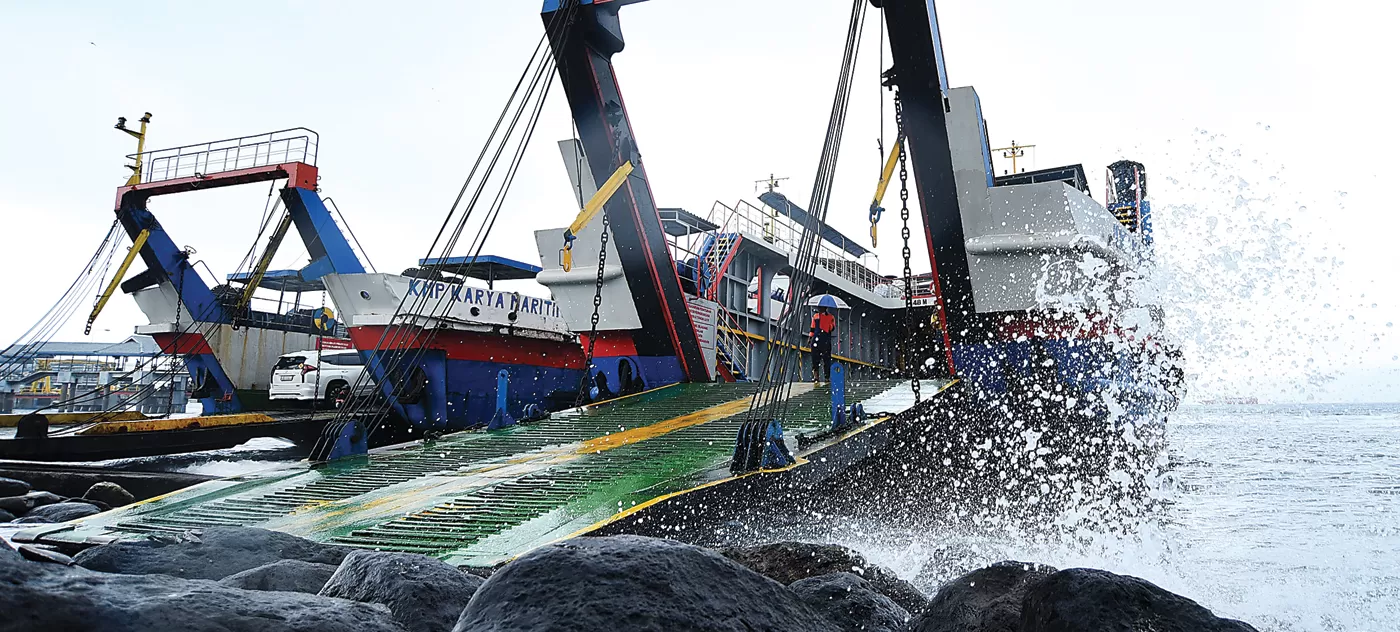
323 376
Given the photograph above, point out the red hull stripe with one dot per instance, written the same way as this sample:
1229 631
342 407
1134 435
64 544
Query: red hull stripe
182 344
483 347
612 344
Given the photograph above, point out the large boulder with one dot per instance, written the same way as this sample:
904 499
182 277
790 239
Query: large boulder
985 600
425 595
788 562
213 553
283 575
110 493
13 487
634 583
60 512
36 596
1089 600
851 602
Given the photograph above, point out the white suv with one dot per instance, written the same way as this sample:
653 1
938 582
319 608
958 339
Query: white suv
314 375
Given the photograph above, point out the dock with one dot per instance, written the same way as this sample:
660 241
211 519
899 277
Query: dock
480 498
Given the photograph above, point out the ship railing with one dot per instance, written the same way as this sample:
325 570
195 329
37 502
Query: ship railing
298 144
783 233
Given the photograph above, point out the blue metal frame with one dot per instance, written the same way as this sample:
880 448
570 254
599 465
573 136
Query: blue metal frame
329 250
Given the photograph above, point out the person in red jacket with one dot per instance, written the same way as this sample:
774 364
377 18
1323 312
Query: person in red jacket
823 324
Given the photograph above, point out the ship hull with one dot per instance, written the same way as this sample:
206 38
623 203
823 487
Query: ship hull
462 372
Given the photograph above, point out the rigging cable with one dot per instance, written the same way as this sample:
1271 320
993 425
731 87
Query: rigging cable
770 403
410 334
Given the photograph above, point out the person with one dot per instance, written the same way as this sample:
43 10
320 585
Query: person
823 323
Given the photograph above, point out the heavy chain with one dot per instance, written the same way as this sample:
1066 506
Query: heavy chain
179 304
593 320
909 346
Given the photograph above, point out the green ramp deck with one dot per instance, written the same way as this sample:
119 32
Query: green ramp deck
479 498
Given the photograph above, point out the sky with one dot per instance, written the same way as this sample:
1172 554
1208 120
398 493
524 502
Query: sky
1265 127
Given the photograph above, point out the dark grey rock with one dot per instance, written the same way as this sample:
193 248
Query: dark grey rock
13 487
851 602
15 505
41 554
32 426
6 516
60 512
95 503
52 597
1089 600
788 562
283 575
110 493
20 505
985 600
633 583
215 553
425 595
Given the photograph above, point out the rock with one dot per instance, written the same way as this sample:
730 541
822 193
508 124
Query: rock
12 487
32 426
1085 599
39 554
788 562
851 602
15 505
633 583
985 600
425 595
101 506
6 516
110 493
215 553
53 597
20 505
283 575
61 512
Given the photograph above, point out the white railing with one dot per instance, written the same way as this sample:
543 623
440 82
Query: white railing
784 233
190 161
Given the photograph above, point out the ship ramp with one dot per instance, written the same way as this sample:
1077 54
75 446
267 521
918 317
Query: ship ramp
481 498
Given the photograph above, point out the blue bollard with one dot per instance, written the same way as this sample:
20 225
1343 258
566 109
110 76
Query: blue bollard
838 395
502 418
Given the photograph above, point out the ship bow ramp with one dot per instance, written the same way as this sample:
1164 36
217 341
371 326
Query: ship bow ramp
480 498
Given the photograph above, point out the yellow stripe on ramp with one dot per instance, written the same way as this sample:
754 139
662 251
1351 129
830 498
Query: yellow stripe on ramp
625 437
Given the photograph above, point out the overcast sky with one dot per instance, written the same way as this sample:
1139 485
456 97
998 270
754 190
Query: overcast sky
1265 127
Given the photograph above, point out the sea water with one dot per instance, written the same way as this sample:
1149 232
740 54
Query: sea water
1287 517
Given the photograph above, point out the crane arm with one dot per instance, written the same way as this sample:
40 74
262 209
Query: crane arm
106 295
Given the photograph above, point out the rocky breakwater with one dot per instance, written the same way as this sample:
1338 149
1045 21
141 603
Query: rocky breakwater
20 503
235 579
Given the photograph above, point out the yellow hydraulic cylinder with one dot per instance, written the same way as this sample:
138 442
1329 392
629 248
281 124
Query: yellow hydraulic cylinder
266 260
875 209
591 209
117 278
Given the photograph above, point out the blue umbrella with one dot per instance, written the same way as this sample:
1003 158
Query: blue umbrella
828 301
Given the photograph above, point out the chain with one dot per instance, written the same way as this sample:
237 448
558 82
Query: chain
593 320
904 232
179 303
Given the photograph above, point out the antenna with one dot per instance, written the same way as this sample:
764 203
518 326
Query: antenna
1013 152
770 182
140 137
